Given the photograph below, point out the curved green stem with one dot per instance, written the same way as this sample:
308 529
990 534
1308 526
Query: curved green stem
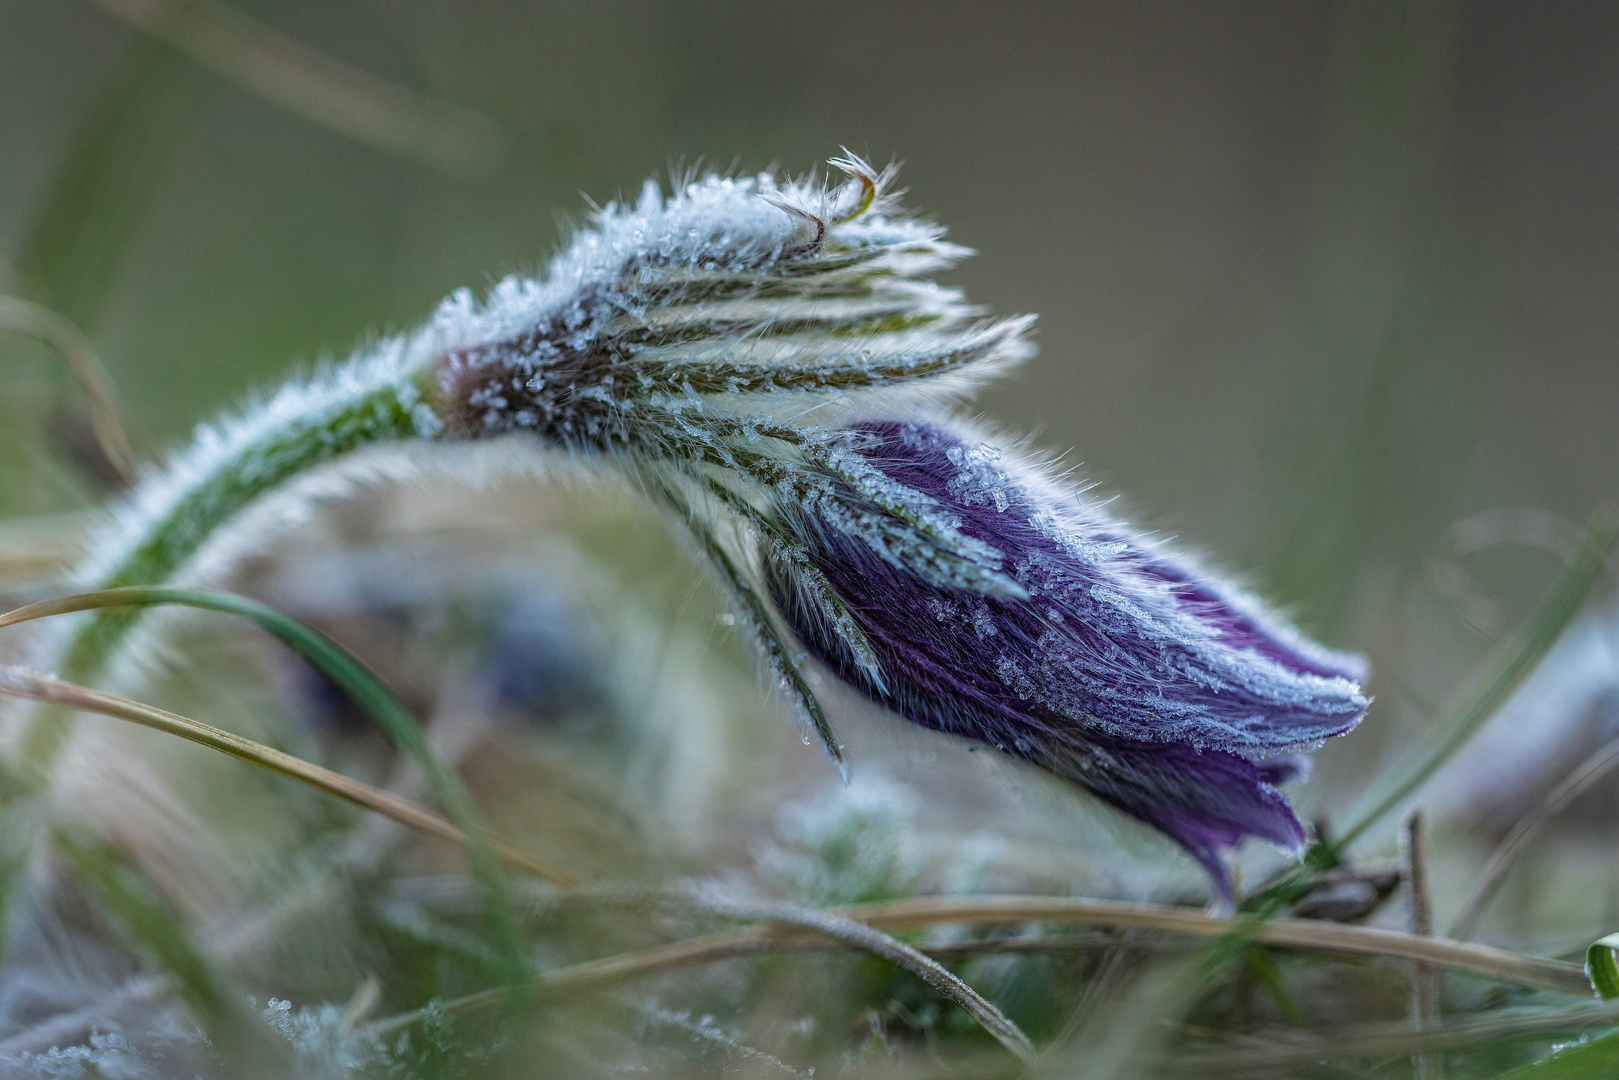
224 473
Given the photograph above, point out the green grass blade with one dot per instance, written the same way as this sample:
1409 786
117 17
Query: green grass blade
1269 974
1506 670
74 248
334 661
70 696
1601 966
1586 1061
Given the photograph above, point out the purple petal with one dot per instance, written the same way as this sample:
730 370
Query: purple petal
1283 770
1119 652
1243 624
1112 635
1206 801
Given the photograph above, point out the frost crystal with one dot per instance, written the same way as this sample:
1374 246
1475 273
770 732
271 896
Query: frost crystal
680 326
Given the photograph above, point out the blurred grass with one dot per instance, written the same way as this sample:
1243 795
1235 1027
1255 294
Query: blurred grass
1392 371
118 160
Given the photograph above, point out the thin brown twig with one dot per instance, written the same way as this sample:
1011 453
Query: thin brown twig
1414 880
229 942
888 915
19 683
828 927
81 361
1506 853
1484 960
335 95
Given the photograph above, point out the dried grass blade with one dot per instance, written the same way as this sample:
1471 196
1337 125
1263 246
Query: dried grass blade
81 361
870 940
369 692
1296 933
18 683
1507 851
982 911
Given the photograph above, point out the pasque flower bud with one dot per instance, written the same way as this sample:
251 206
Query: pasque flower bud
728 347
728 350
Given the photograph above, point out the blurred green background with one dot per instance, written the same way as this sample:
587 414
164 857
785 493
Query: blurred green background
1315 280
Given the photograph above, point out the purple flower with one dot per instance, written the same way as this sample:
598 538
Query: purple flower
1103 658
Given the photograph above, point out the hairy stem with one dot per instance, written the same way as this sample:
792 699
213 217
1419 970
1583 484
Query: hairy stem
225 473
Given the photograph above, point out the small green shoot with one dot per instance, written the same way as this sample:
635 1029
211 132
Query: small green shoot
1601 966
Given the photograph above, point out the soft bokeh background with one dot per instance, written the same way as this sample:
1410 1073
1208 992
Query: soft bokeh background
1315 281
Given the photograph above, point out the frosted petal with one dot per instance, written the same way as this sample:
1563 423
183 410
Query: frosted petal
1115 647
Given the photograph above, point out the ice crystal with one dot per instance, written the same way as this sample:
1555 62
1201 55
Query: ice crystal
692 325
325 1045
705 1040
712 344
110 1056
